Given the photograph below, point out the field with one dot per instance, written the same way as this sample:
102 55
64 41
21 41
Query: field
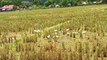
73 33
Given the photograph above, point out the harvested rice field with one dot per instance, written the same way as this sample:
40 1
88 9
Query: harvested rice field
72 33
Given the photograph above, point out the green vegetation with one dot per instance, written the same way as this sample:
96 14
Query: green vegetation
74 33
46 3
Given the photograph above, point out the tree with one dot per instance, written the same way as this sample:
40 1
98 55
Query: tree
104 1
36 2
47 2
5 2
15 2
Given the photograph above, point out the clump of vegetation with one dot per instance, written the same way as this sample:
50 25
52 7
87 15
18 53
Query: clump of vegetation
49 3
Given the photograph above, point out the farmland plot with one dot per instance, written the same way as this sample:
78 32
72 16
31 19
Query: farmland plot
75 33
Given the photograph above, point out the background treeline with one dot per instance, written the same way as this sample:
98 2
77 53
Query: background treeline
47 3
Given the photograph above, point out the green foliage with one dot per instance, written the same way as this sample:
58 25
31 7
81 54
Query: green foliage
26 4
16 2
48 2
36 2
104 1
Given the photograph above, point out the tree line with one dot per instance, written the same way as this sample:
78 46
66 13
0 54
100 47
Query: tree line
49 2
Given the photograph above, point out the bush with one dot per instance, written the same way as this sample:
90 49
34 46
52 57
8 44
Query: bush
26 4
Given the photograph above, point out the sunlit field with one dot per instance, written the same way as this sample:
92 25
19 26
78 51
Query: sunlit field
73 33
